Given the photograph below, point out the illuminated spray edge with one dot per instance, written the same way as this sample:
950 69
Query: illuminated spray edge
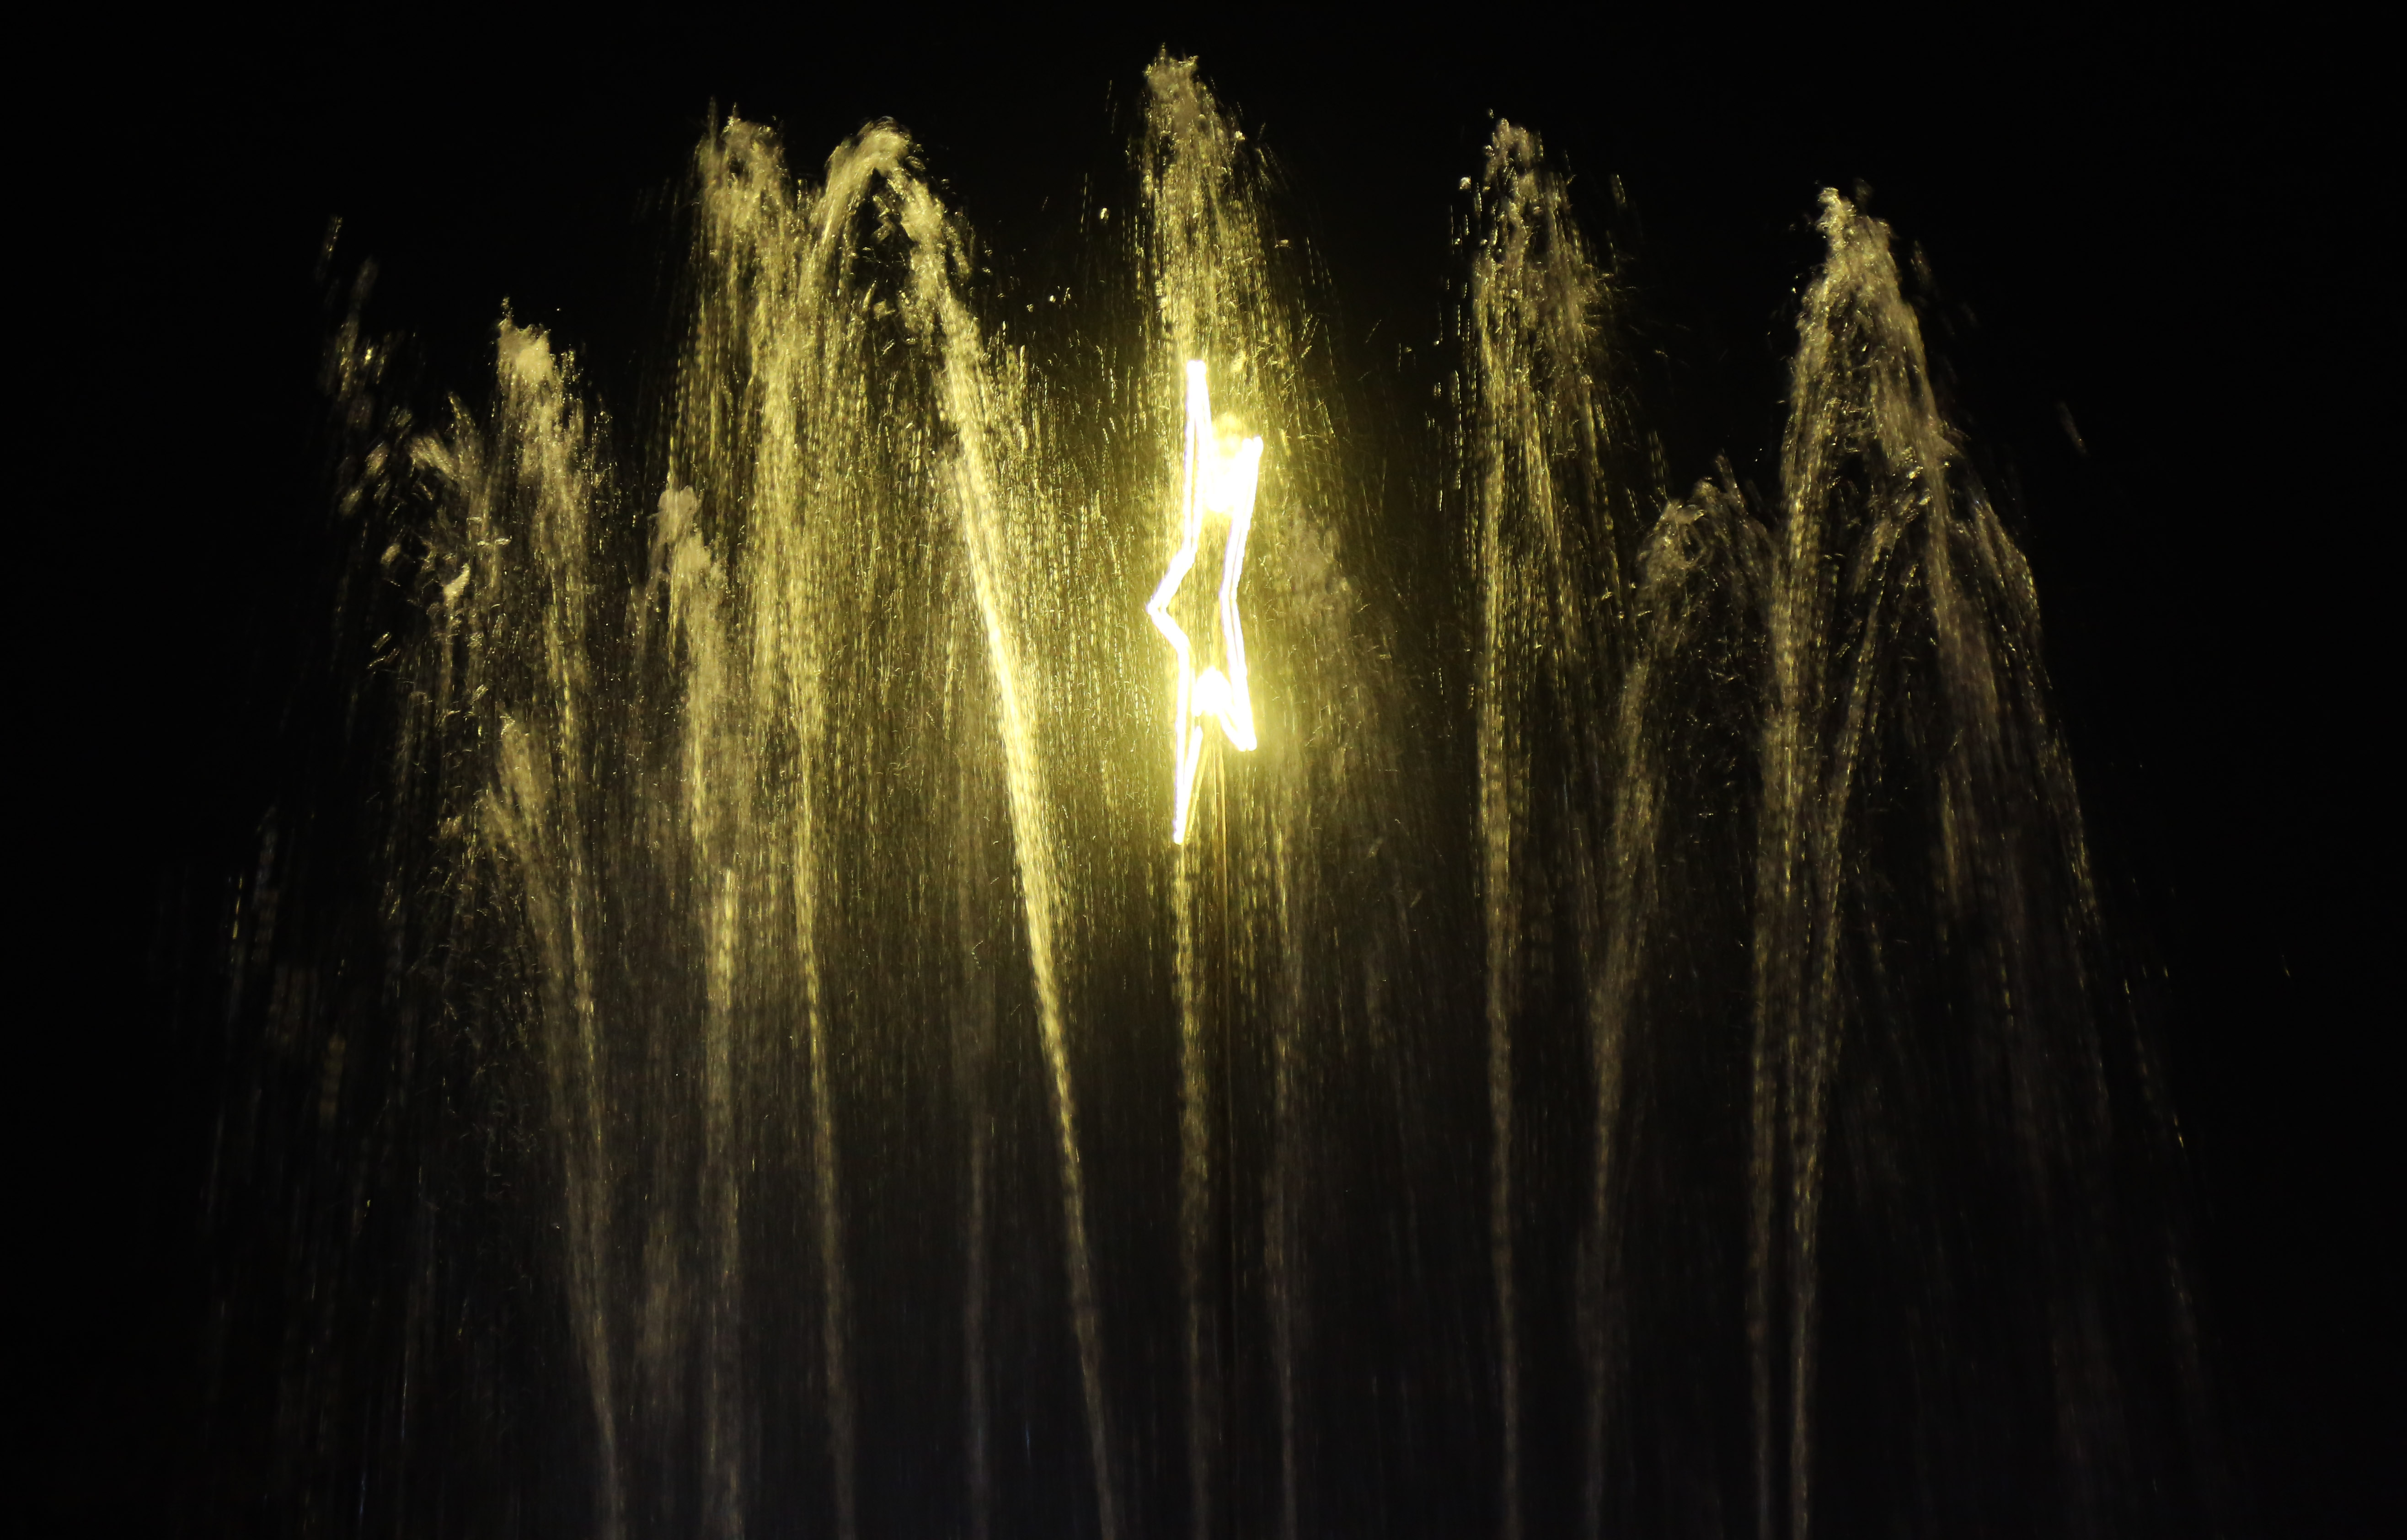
1221 483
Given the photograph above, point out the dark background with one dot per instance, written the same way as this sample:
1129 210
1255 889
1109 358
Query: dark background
2158 309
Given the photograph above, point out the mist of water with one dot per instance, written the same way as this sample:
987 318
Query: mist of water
1632 1051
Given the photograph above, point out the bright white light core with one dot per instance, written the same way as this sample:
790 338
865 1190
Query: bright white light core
1216 481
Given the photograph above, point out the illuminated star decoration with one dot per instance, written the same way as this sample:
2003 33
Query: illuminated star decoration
1223 483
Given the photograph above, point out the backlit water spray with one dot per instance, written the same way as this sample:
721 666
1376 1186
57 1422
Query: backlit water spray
1591 1020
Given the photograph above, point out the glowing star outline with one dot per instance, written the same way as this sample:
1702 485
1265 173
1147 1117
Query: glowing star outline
1216 482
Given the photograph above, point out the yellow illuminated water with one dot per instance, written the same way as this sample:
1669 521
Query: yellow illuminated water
811 1095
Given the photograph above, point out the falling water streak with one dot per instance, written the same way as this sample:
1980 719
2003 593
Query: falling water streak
1496 827
1699 579
540 435
976 1029
1810 765
790 314
1204 258
1278 1206
514 815
835 1333
877 154
1763 1104
1500 822
974 1044
980 1439
1195 1208
721 1458
785 270
694 593
842 1432
944 326
1549 591
803 297
1627 899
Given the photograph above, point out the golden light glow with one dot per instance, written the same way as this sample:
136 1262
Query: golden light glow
1222 482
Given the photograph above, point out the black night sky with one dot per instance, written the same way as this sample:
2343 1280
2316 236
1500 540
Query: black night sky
2159 314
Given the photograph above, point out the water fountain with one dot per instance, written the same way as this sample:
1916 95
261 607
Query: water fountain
1603 1033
